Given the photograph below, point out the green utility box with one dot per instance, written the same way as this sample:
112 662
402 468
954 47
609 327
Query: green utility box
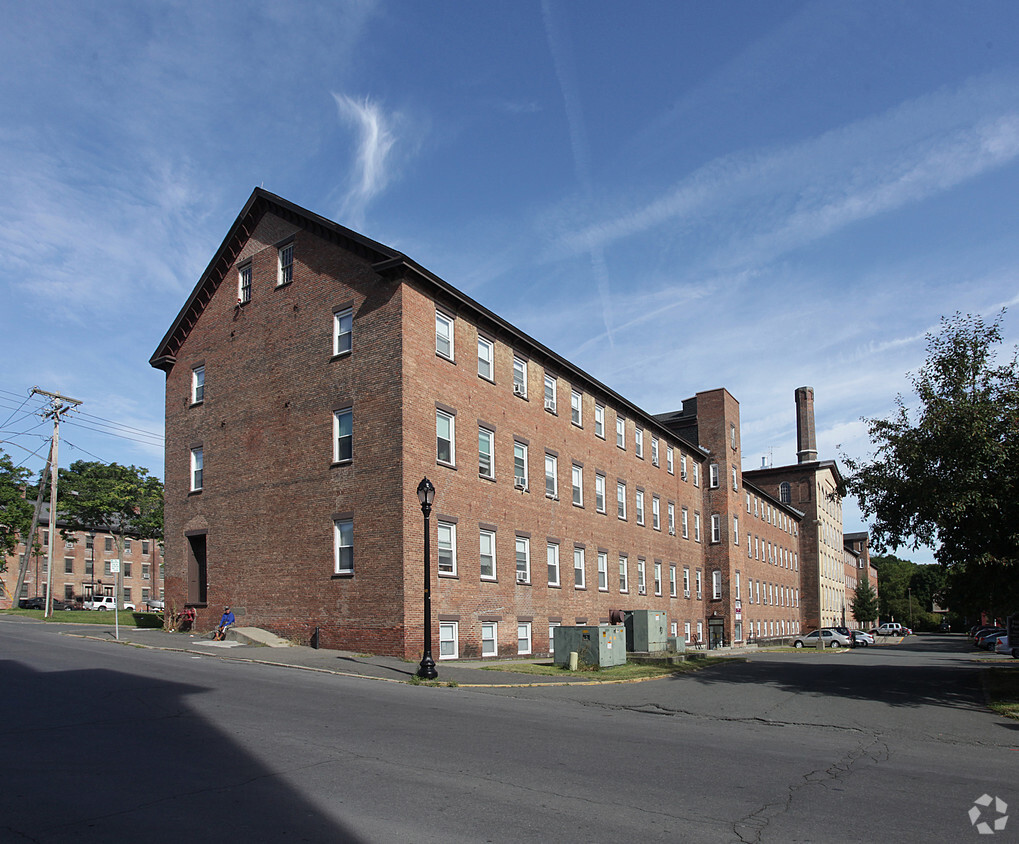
645 631
601 645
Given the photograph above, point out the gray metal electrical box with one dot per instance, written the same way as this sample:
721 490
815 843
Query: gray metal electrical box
645 631
601 645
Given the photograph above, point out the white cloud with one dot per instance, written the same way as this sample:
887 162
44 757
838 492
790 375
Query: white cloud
375 142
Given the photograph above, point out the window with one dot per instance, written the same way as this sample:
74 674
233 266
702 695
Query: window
656 515
785 492
599 420
696 474
654 451
447 548
735 480
486 357
624 585
520 465
682 467
523 549
621 499
486 466
443 335
686 523
672 519
126 568
672 580
198 385
578 485
524 637
444 437
578 568
641 585
603 572
640 506
343 326
670 461
286 264
658 578
489 638
519 376
638 442
551 476
550 393
716 585
487 553
343 531
244 284
599 493
343 439
686 631
697 582
732 436
449 639
68 565
686 581
127 545
700 631
735 530
621 432
552 625
552 554
197 462
107 545
576 408
713 476
716 527
696 527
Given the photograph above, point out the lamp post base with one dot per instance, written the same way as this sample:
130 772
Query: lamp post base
426 670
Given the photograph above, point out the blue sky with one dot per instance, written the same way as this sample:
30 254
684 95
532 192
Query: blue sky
676 196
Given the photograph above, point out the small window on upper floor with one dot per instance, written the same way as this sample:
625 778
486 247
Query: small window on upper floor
519 377
198 385
576 408
197 469
343 326
343 439
638 442
444 335
785 492
620 432
285 267
599 420
486 358
550 393
244 284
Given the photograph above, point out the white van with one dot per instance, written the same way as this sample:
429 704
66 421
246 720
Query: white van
104 602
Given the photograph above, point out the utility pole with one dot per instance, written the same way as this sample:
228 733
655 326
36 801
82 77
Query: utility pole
59 405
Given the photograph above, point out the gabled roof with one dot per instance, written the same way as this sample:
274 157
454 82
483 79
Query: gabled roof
388 263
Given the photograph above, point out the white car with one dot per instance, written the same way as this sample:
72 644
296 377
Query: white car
891 628
105 602
863 638
831 638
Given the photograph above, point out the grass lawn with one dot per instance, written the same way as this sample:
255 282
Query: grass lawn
630 671
1001 685
127 618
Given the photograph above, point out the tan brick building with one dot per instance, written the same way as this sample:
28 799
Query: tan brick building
314 377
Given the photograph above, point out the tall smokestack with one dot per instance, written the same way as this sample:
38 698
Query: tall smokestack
806 439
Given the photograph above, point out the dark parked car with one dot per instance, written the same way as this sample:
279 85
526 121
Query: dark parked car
36 603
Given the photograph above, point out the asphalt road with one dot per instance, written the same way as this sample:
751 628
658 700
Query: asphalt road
111 743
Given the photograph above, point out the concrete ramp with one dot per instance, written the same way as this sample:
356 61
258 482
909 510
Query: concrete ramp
255 636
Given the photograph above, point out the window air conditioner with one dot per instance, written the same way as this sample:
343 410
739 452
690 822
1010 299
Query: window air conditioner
550 404
642 590
672 531
519 390
521 577
520 483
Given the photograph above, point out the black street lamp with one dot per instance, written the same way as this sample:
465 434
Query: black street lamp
426 494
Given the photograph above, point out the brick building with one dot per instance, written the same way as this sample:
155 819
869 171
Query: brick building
82 566
858 567
314 377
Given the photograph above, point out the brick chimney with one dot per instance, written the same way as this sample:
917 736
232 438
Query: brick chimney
806 439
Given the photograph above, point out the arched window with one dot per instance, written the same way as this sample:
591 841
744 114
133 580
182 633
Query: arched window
785 493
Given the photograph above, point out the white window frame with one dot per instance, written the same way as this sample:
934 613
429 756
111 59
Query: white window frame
603 571
672 580
244 284
599 420
519 376
599 492
343 331
682 467
735 479
577 408
641 581
489 535
198 385
578 485
620 432
339 417
699 584
552 625
444 325
343 538
716 528
639 505
671 508
686 581
624 574
579 574
658 578
696 474
685 519
522 554
551 476
197 468
492 637
550 393
716 585
524 647
449 528
451 419
638 442
656 512
552 562
485 436
696 527
735 530
449 634
621 500
670 460
285 264
713 476
486 358
686 631
520 464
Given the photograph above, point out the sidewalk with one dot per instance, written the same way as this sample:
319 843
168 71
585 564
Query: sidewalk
385 668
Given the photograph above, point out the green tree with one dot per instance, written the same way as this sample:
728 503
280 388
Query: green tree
947 475
15 509
865 603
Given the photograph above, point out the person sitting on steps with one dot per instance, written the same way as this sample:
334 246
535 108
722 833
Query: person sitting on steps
225 621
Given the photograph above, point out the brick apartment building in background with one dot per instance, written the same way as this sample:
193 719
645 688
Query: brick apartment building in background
314 377
82 566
